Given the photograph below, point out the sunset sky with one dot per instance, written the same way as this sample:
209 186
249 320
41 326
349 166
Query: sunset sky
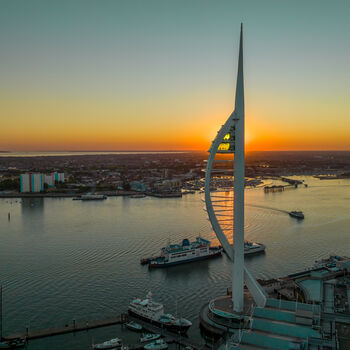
160 75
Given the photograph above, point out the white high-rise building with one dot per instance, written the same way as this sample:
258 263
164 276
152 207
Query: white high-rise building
32 182
49 180
59 177
25 183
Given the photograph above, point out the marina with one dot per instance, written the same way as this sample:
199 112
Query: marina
169 337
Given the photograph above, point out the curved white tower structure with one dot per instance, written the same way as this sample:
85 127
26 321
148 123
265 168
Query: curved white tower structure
226 212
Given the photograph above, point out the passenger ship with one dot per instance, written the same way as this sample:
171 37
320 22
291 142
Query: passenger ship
153 312
174 254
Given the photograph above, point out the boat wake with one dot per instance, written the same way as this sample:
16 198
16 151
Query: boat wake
266 207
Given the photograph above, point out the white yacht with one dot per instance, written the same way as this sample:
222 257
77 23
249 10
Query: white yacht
159 344
114 343
148 337
153 312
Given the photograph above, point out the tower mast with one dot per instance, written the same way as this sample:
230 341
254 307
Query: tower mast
0 312
230 140
238 188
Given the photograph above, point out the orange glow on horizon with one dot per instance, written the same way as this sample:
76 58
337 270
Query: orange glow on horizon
48 124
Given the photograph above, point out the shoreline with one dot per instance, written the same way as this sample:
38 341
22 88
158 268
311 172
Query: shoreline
63 195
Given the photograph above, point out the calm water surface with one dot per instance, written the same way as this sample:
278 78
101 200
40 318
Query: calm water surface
62 260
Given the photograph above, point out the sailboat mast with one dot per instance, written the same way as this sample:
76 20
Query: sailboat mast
0 312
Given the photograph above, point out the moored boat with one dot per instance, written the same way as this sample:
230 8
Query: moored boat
137 195
153 312
148 337
114 343
93 197
12 344
159 344
133 326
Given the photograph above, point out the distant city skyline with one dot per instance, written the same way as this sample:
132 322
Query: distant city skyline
157 75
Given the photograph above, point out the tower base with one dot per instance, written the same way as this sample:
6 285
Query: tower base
218 317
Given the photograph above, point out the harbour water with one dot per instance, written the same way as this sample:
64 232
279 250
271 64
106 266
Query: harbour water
62 260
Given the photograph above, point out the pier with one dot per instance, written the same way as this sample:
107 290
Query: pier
68 328
274 188
169 337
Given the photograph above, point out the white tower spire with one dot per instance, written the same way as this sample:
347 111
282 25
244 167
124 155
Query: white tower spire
230 140
238 188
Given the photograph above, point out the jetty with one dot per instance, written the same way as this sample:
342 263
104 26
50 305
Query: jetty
74 327
68 328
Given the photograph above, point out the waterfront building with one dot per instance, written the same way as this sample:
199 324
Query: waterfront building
138 186
49 180
34 182
24 183
31 182
59 177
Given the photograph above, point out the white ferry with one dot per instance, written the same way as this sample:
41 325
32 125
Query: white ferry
174 254
153 312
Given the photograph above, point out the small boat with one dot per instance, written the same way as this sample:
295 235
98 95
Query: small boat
148 337
138 195
114 343
133 326
296 214
159 344
12 344
93 197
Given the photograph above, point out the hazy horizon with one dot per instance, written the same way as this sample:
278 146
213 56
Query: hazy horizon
160 151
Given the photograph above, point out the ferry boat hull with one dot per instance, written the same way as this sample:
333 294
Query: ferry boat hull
214 252
172 327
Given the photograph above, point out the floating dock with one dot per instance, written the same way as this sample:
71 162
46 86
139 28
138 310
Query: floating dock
68 328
